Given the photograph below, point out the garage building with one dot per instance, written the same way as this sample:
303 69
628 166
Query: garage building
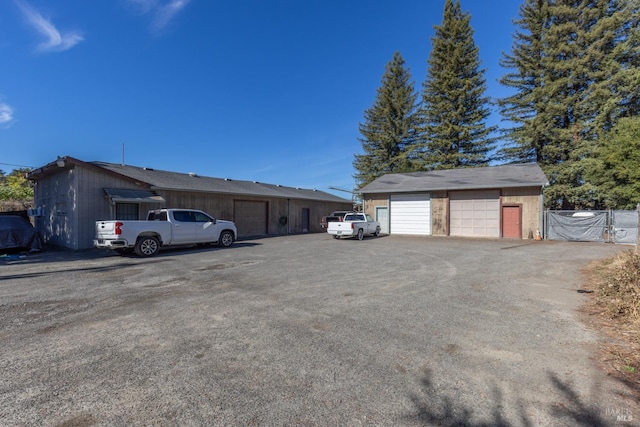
493 202
70 195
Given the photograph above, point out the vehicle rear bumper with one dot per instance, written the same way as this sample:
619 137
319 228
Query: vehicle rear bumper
110 244
345 233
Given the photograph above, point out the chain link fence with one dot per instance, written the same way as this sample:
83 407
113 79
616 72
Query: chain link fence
610 226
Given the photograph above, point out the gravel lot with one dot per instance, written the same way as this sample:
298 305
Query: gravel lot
306 331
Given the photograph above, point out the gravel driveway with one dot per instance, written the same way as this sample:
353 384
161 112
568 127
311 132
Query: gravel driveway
306 331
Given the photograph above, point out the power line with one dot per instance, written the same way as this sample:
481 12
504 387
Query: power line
17 166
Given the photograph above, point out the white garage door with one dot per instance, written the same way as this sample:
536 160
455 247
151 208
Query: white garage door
475 213
411 214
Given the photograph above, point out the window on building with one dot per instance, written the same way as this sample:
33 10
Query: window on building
127 211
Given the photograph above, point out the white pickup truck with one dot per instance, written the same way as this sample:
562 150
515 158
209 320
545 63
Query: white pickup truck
354 224
163 227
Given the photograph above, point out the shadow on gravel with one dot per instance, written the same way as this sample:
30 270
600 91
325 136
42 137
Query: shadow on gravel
437 407
190 249
105 268
51 255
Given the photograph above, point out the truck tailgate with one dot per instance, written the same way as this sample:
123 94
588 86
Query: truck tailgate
340 228
105 229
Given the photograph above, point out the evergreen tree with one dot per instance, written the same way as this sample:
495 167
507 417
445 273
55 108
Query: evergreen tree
525 109
574 64
616 170
390 127
454 108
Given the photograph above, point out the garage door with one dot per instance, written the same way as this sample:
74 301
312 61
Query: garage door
250 217
475 213
410 214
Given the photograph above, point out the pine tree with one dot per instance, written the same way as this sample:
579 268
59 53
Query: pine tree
390 128
525 109
616 169
454 108
574 64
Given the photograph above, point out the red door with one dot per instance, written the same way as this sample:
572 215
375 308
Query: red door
511 227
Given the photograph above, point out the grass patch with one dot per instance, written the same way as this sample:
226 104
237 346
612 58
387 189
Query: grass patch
614 284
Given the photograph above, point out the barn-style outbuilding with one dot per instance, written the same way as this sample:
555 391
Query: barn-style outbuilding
497 201
70 195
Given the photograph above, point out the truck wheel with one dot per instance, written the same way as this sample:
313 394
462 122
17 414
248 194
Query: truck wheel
377 233
360 234
147 246
226 239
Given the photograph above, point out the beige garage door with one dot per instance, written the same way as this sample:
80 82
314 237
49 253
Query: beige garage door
250 217
474 213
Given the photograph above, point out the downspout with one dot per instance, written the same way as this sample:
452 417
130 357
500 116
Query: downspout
112 205
542 230
288 216
364 206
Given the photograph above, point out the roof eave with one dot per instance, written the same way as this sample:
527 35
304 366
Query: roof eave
457 188
235 193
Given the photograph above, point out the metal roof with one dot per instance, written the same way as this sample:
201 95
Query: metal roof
165 180
504 176
135 196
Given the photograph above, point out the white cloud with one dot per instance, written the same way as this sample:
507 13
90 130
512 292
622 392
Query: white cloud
144 6
166 12
55 41
161 12
6 115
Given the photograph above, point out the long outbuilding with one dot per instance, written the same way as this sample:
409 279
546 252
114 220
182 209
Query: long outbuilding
503 201
71 194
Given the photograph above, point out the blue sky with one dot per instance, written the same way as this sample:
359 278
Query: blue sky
271 91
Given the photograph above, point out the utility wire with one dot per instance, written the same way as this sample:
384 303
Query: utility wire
17 166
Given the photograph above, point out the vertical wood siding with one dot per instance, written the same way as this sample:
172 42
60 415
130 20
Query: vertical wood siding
529 198
74 199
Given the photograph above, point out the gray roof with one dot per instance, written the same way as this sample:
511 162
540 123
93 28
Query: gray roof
164 180
135 196
504 176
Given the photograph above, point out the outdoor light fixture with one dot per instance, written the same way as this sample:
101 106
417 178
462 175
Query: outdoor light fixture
60 162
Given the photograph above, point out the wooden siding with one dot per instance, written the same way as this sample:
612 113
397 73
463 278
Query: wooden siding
53 196
439 213
73 200
222 206
371 201
529 199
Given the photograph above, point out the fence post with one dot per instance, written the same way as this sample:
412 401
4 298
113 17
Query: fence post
610 229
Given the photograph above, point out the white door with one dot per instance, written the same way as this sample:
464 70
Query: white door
411 214
206 230
382 216
184 227
474 213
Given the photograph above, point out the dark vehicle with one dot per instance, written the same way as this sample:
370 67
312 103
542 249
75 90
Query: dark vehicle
334 217
18 233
